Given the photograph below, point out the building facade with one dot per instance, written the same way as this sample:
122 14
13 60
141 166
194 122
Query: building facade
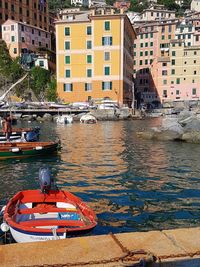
95 57
23 38
33 12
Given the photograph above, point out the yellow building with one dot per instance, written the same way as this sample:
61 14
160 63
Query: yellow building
95 56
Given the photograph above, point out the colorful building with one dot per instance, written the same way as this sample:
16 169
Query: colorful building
33 12
22 38
95 57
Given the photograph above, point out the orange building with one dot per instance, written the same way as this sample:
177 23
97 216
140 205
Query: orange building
95 57
33 12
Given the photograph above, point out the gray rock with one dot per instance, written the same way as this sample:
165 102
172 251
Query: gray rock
191 137
193 124
167 135
171 124
47 117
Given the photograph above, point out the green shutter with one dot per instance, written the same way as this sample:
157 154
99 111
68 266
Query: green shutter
111 40
67 31
67 59
103 86
107 25
110 85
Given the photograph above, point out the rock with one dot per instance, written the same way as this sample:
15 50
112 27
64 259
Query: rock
185 116
167 135
171 124
191 137
193 124
47 117
39 119
146 135
27 117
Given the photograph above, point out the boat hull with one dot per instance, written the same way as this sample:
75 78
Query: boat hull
17 151
24 237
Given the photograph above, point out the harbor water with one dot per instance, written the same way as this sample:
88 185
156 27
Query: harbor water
132 184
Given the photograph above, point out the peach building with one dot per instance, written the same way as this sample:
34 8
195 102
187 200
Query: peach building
95 57
152 45
21 37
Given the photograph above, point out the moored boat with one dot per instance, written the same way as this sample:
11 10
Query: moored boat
46 214
22 135
89 119
27 149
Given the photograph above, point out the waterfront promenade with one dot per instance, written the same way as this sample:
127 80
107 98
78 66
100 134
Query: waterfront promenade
167 248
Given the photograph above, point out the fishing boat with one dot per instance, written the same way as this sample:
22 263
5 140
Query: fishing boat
64 119
46 214
27 149
22 135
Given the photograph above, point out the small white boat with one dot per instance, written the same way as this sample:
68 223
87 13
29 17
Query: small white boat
87 118
64 119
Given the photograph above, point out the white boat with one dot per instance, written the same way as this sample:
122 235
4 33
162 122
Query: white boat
87 118
64 119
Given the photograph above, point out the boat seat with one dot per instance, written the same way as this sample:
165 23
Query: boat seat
64 223
42 210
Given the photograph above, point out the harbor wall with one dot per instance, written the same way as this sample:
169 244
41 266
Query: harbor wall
167 248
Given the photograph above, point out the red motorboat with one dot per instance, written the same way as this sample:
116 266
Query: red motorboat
47 214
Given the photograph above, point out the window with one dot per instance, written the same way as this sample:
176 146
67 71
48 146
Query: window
169 37
89 73
164 72
146 53
107 40
151 43
12 38
89 30
164 93
195 61
141 45
107 25
195 72
178 81
88 87
151 35
67 73
146 61
33 42
41 63
23 40
146 44
151 53
67 31
146 35
67 59
163 37
141 53
173 62
15 50
67 45
68 87
89 44
12 27
140 62
195 52
164 82
164 64
173 71
194 91
141 36
106 70
107 56
89 59
173 53
177 92
106 85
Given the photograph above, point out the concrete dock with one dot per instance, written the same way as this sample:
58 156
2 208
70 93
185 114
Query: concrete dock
167 248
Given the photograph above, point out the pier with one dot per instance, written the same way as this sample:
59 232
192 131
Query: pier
167 248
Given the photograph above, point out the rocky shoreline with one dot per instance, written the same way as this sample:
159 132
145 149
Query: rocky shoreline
184 127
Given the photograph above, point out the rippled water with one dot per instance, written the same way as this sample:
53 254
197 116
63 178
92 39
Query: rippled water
132 184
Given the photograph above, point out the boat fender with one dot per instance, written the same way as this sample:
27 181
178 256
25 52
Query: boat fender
38 148
4 227
15 149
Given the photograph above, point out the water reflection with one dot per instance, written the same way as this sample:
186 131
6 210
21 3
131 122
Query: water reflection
132 184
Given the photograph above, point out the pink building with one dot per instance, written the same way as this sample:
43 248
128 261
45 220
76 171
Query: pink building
21 38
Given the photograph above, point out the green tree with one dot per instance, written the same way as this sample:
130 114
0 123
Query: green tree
51 92
39 79
5 59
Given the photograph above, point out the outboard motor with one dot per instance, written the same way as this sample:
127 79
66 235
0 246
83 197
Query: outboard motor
33 135
45 180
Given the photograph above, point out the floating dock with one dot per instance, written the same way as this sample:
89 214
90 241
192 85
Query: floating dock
167 248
